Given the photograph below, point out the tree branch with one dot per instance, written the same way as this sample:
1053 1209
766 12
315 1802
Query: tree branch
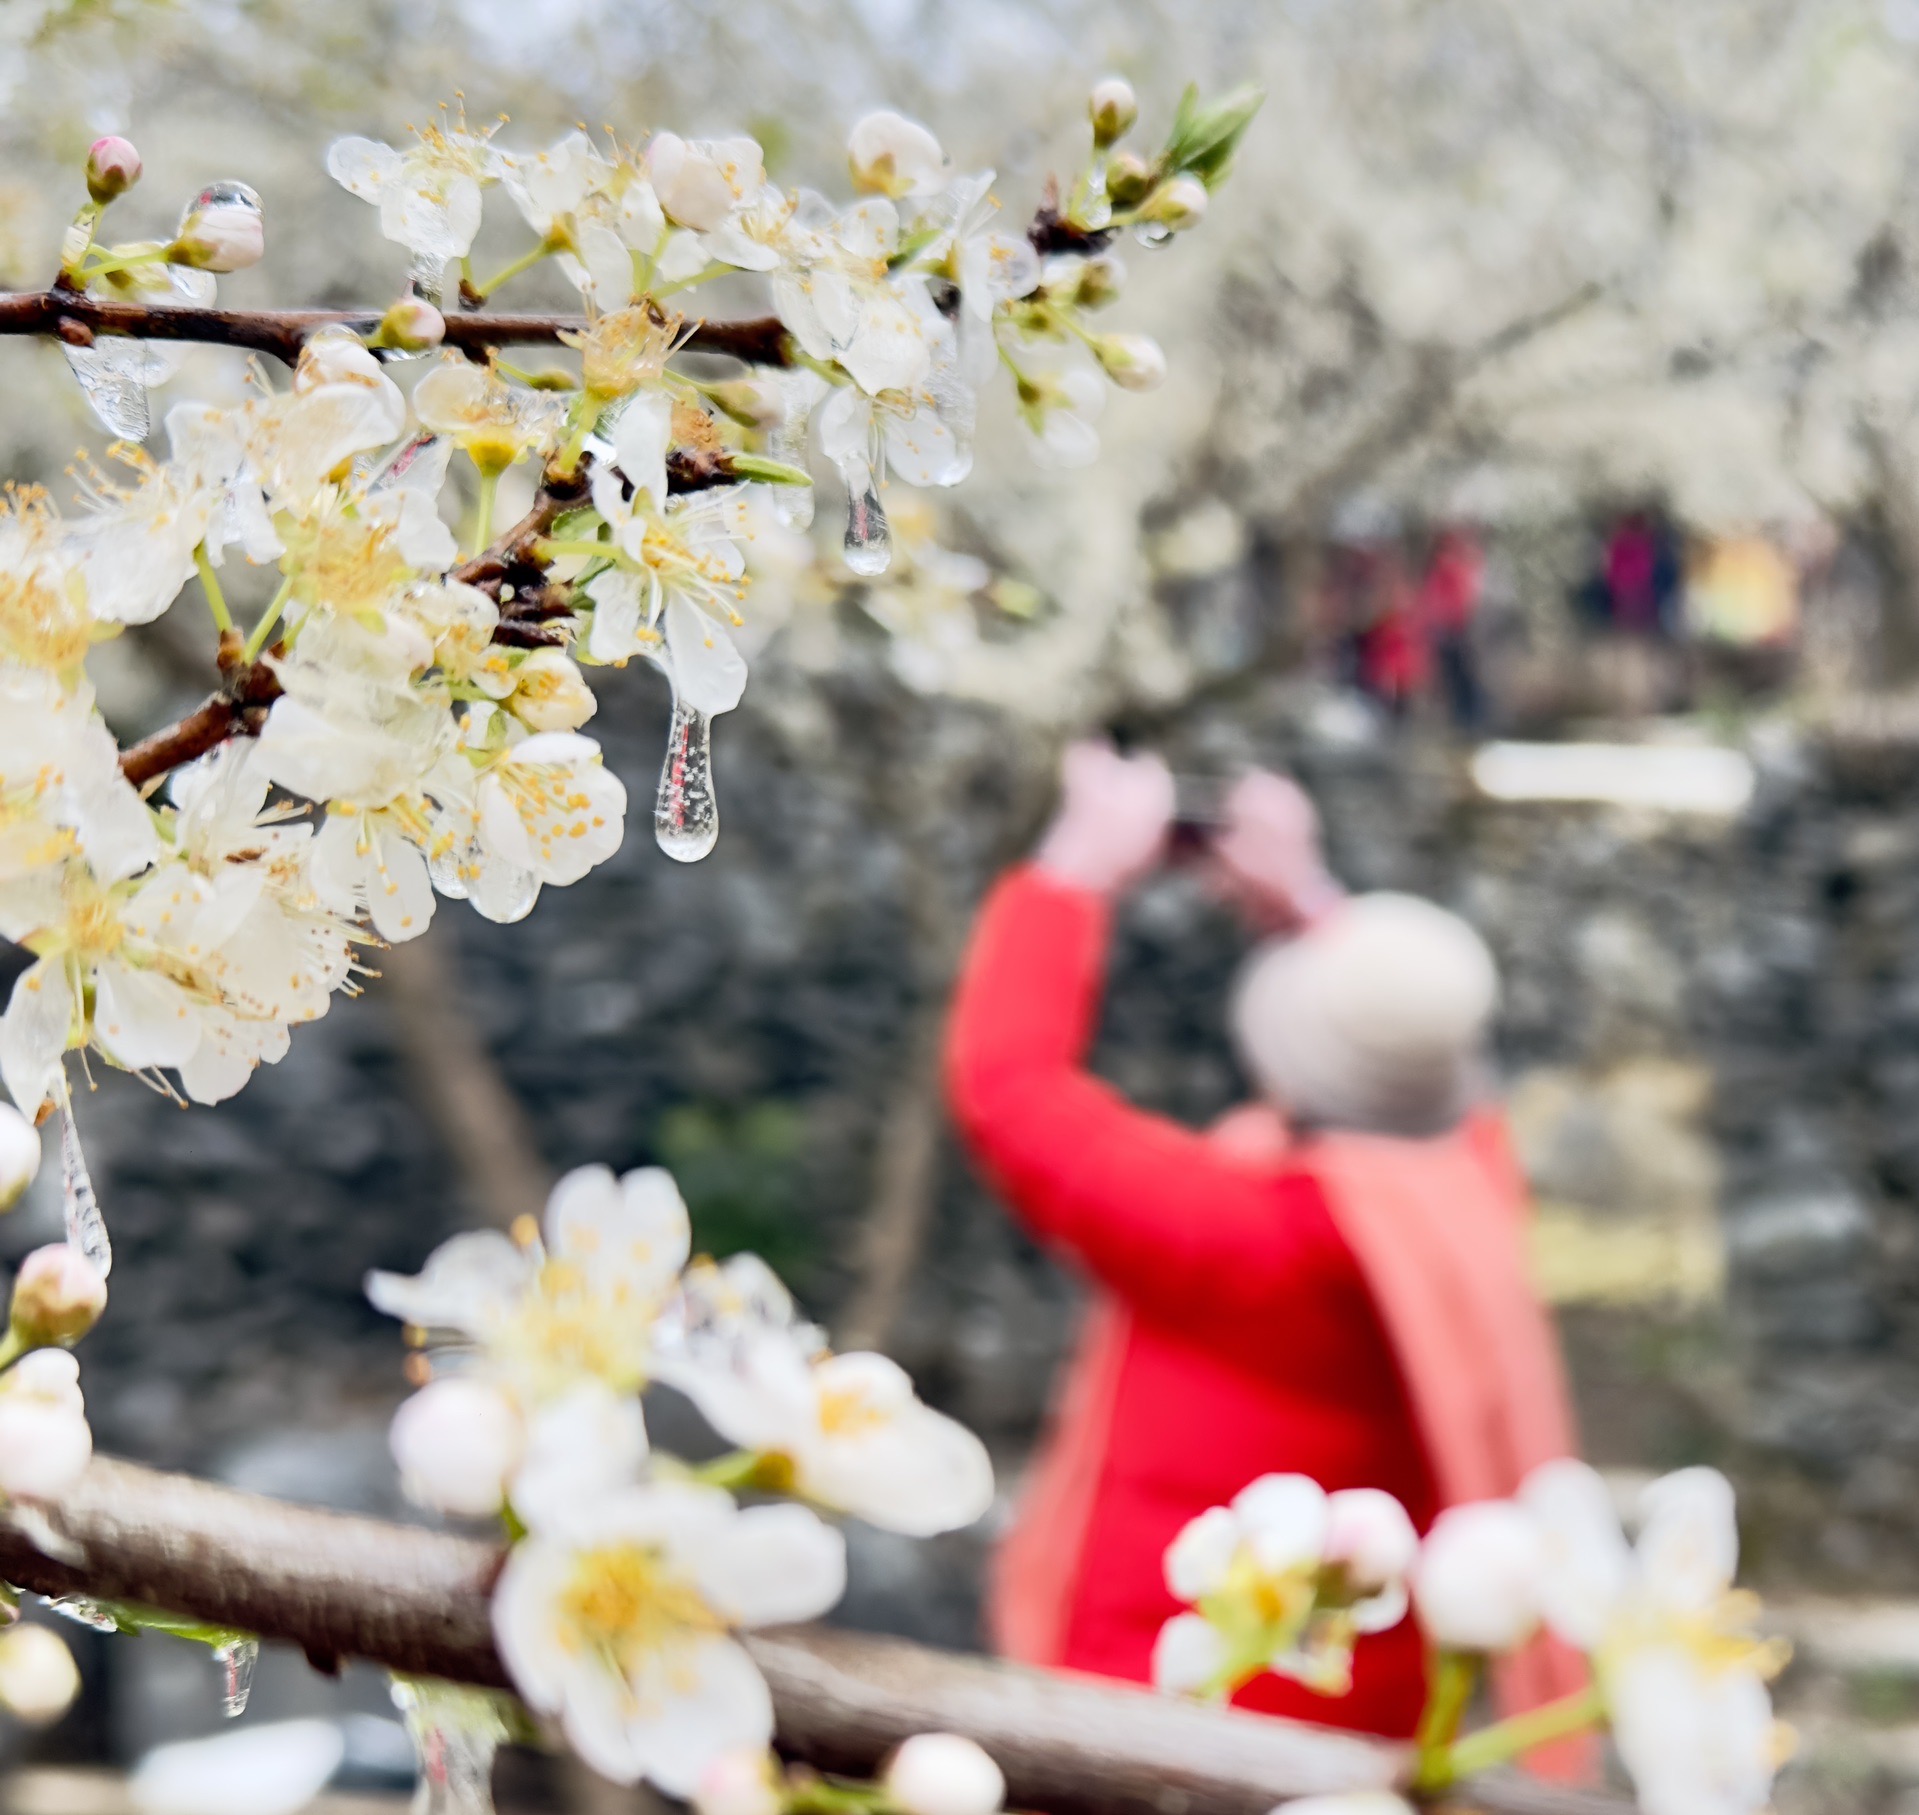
417 1601
64 315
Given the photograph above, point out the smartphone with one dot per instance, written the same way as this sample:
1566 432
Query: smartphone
1199 810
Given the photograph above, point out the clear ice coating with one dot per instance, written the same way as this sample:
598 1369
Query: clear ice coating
1152 233
235 1660
114 375
868 548
227 194
455 1733
86 1227
83 1612
686 812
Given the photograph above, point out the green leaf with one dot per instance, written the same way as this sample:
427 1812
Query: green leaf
768 472
1205 138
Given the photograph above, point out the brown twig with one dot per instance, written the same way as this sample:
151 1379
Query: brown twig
238 709
417 1601
64 315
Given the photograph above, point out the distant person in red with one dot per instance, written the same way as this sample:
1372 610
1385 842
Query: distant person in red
1449 596
1329 1282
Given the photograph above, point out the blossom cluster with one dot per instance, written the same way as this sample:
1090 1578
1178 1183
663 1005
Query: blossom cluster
1286 1577
633 1569
399 723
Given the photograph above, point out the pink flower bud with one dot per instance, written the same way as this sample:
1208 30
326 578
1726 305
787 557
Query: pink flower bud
221 230
412 325
19 1155
113 167
58 1296
1112 107
38 1680
943 1774
738 1783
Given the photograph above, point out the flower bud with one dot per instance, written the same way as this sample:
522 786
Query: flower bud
45 1445
943 1774
221 230
113 167
1128 178
1132 361
889 154
1178 204
739 1783
751 401
1479 1577
1099 282
1112 107
336 355
58 1296
38 1680
19 1155
412 325
550 693
1369 1535
456 1442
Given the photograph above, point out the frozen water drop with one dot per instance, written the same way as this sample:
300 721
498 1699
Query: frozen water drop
226 194
235 1660
686 813
1152 233
86 1227
793 505
113 386
868 548
455 1734
427 277
83 1612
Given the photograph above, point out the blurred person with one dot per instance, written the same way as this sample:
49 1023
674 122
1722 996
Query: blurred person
1331 1281
1449 597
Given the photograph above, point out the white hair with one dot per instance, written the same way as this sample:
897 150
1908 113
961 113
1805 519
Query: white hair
1373 1020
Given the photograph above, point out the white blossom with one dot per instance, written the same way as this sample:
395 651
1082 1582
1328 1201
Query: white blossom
613 1616
1683 1676
1282 1579
429 194
19 1155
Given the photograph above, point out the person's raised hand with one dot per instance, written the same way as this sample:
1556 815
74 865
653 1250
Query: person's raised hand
1113 818
1267 852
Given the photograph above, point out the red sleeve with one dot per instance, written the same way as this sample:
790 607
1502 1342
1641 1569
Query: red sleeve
1146 1205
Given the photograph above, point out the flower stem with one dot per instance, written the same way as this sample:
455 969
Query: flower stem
12 1347
104 262
525 262
483 526
216 599
553 548
257 639
1507 1739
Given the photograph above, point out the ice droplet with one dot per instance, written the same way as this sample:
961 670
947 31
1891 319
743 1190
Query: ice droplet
686 812
112 379
229 193
455 1733
793 505
1152 233
235 1660
868 548
427 276
83 1612
86 1227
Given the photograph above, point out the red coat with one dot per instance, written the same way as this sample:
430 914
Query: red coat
1237 1334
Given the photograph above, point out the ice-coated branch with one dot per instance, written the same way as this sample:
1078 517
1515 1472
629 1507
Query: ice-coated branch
416 1601
68 316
